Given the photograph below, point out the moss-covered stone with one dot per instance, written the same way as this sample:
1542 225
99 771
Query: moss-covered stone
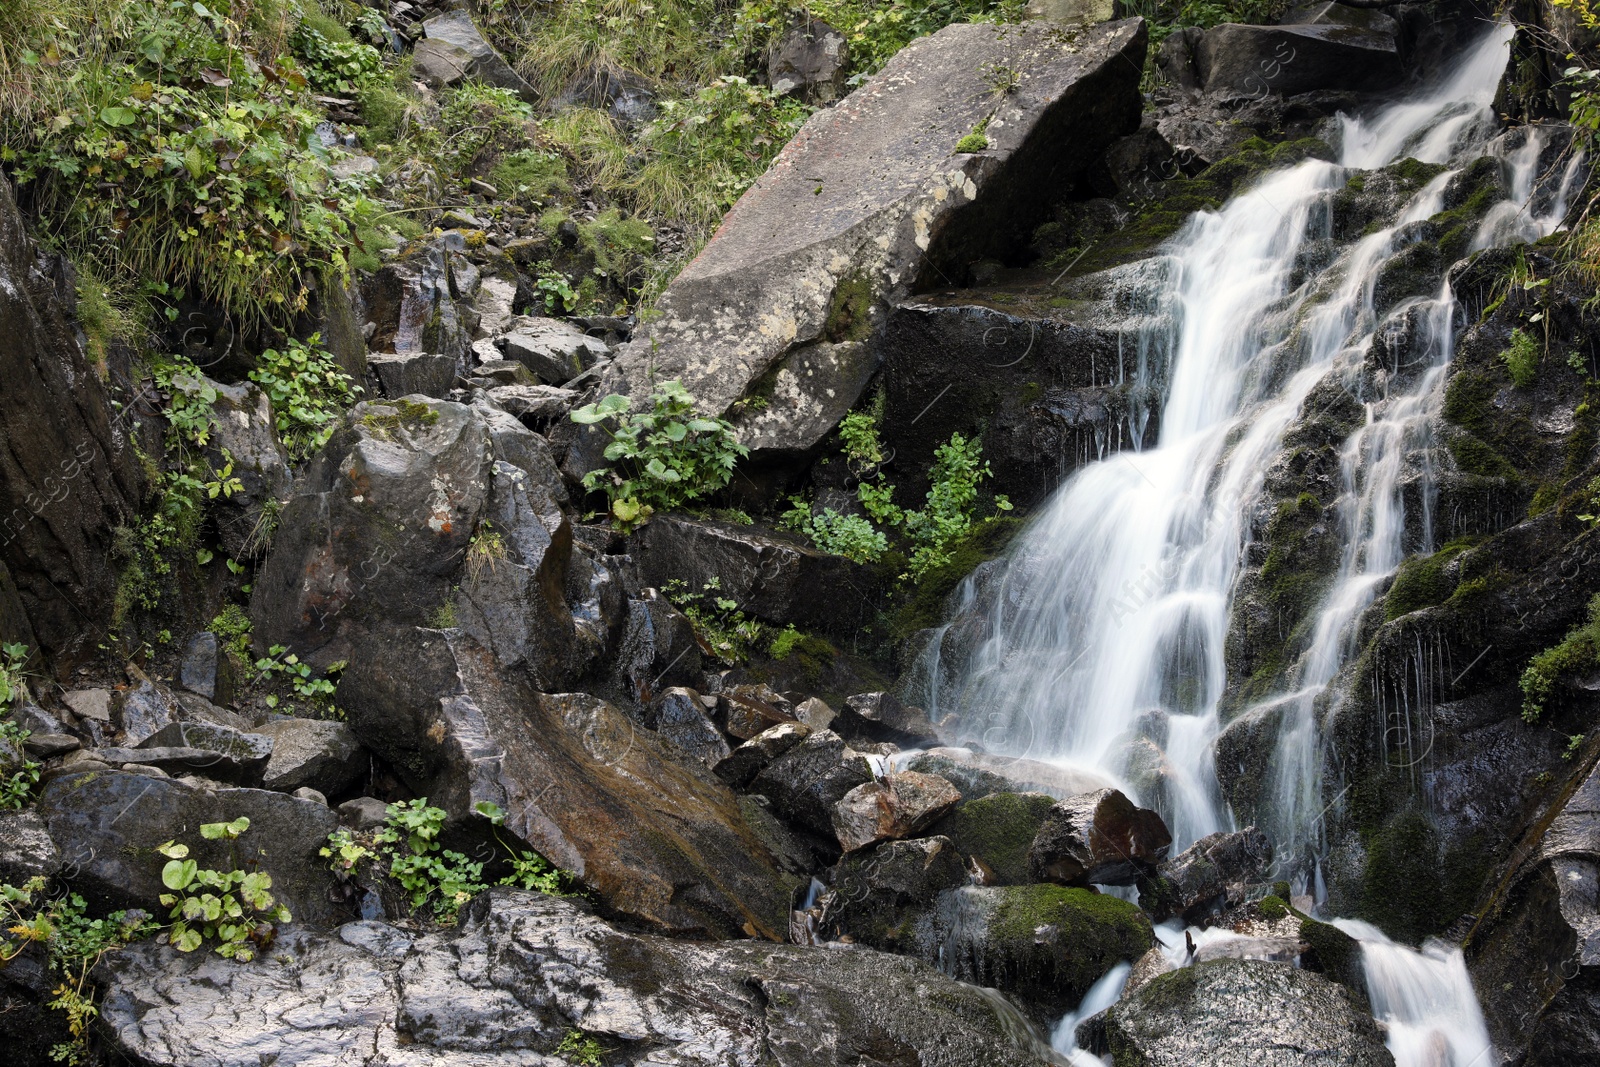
925 605
1423 581
1335 955
998 829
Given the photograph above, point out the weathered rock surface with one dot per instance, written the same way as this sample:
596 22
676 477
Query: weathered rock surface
554 350
411 303
308 752
68 475
807 781
525 970
379 526
750 758
652 833
883 717
658 649
1208 876
26 850
876 897
1045 945
1234 1013
680 716
810 61
246 431
1298 58
225 754
895 806
394 375
772 577
107 825
1098 838
455 50
997 830
782 300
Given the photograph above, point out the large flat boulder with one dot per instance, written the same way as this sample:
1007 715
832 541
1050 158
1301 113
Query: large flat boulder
646 827
68 476
870 203
1328 53
524 971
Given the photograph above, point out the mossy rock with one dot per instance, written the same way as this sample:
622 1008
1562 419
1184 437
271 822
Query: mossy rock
1335 955
998 829
1423 581
926 605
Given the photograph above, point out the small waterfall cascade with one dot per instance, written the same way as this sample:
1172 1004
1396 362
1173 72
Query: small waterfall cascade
1099 638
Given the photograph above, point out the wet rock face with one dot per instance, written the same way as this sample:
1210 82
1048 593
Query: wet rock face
896 806
1329 53
781 302
1043 945
382 521
877 896
68 476
1207 876
412 305
1098 838
645 826
522 972
1243 1013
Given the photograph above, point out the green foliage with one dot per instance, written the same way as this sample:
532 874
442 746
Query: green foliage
408 849
477 124
785 643
1272 907
18 786
530 176
661 459
232 627
340 67
233 908
308 392
156 147
1578 651
850 536
977 140
1421 581
486 551
1521 358
719 623
579 1048
314 695
559 296
958 468
73 944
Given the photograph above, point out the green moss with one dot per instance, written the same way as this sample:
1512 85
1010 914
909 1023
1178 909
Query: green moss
1421 581
531 175
1256 155
972 142
404 412
925 607
1025 908
1413 174
1410 890
1282 890
1272 907
1335 955
850 310
998 829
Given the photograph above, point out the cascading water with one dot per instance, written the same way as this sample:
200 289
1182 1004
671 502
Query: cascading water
1101 635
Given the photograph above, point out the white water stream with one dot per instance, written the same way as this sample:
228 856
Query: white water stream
1101 635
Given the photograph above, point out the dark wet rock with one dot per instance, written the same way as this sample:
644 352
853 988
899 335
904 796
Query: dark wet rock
394 375
494 372
658 650
1043 396
513 595
412 304
1044 945
378 528
146 706
679 715
1208 876
1233 1013
810 61
772 577
519 446
308 752
108 825
882 717
1175 59
1288 59
997 830
68 476
781 302
752 757
26 850
895 806
1535 954
656 837
539 403
245 429
454 50
1098 838
627 97
976 773
48 746
750 709
807 781
554 350
205 669
363 813
521 973
228 754
875 897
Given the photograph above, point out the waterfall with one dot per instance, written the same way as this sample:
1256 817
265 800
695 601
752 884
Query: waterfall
1099 638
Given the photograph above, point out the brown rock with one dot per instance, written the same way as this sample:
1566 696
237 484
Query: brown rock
897 806
1098 838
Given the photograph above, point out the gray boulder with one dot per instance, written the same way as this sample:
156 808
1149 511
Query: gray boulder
875 897
895 806
246 430
882 717
780 305
411 305
1208 876
1234 59
806 782
554 350
228 755
679 716
146 707
1243 1013
454 50
659 649
378 528
810 61
521 973
771 576
308 752
1099 838
108 824
750 758
395 375
205 669
26 850
653 834
544 404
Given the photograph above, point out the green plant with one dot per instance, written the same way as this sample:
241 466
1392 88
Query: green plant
1521 358
1574 744
958 468
579 1048
315 694
343 67
18 786
661 459
232 627
530 176
785 643
977 140
485 551
559 296
722 627
1578 651
850 536
308 391
477 125
232 908
529 870
1001 79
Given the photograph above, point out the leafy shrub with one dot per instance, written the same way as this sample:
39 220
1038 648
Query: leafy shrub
308 393
342 67
314 694
580 1049
1578 651
850 536
478 123
232 908
1521 358
16 788
661 459
958 468
718 621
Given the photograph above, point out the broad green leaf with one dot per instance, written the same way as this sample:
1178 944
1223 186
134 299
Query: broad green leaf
187 941
177 874
118 116
173 850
